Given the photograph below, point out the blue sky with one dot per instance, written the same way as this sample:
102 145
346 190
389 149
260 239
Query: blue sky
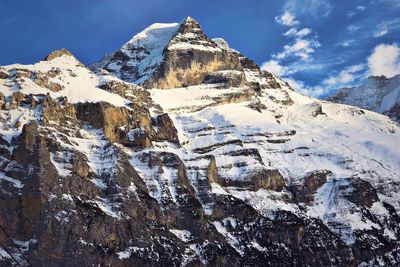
318 45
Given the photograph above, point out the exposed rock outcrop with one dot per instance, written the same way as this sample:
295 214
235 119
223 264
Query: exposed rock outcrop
58 53
304 192
165 129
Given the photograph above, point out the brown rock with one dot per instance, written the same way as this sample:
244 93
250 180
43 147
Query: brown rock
16 99
58 53
166 130
230 78
117 122
312 182
268 179
81 168
22 73
3 74
212 172
43 81
361 193
264 179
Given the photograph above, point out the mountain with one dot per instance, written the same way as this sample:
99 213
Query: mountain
172 55
378 93
177 150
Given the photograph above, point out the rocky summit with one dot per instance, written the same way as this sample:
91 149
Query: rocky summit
176 150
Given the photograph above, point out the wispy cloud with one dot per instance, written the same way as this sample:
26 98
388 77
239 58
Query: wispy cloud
345 76
299 33
381 31
353 28
301 45
351 13
301 87
386 27
287 19
347 43
297 54
315 8
301 48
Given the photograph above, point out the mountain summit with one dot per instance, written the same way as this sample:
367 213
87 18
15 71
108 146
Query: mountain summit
214 163
378 93
171 55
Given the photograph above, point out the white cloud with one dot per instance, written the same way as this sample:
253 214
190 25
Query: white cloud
301 48
274 67
291 32
347 43
303 32
351 13
299 86
346 76
353 28
315 8
294 32
358 9
381 30
287 19
386 27
385 60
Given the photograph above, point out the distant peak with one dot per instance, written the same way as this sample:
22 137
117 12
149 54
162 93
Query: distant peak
378 77
58 53
189 22
189 19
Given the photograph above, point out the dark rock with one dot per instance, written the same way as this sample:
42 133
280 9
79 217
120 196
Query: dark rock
264 179
212 172
81 167
360 192
165 129
304 193
229 78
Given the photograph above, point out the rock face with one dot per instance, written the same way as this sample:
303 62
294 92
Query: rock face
305 192
378 93
234 169
177 55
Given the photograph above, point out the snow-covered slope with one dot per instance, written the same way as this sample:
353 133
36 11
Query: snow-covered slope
297 139
378 93
142 54
230 168
62 76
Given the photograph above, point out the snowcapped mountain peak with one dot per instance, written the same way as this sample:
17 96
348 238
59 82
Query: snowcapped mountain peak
188 19
154 32
377 93
189 24
171 55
